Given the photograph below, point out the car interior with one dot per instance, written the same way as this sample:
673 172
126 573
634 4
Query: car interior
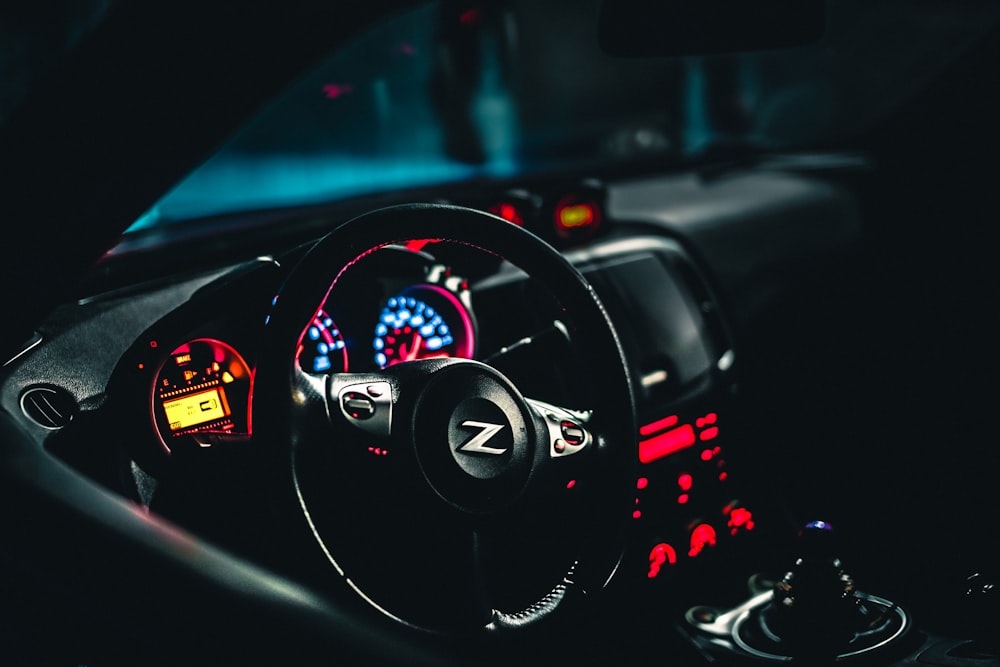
507 332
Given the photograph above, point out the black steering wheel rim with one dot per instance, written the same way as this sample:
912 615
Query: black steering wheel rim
280 387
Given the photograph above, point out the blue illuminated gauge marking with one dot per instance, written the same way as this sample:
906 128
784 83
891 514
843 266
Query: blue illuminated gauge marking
422 322
322 348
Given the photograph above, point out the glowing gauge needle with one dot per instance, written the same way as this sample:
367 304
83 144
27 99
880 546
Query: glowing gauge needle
411 354
411 328
414 352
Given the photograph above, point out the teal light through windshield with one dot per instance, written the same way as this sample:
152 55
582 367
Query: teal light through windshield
240 182
367 121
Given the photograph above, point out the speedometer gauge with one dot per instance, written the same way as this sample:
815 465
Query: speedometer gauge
423 322
203 387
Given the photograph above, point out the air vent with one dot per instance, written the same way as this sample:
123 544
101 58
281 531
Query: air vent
49 407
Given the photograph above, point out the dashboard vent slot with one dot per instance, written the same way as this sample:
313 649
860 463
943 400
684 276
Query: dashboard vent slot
49 407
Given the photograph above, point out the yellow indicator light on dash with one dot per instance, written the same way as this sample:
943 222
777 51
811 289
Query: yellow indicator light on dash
577 215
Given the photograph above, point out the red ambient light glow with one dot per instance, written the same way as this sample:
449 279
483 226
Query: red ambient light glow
335 90
666 444
740 517
707 420
508 212
416 245
702 536
658 425
660 554
685 481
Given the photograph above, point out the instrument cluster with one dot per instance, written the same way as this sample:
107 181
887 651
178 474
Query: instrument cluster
203 388
403 306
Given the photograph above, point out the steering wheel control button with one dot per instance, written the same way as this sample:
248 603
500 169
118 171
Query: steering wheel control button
473 437
358 406
567 434
368 406
572 433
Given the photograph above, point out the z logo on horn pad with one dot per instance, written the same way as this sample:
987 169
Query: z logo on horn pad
477 443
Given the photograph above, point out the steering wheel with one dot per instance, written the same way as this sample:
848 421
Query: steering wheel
436 492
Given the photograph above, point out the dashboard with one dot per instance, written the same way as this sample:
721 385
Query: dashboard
174 401
173 405
183 388
187 382
202 390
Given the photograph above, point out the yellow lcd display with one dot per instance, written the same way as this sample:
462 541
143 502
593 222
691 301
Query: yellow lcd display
194 409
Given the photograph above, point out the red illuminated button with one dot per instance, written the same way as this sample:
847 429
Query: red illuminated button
572 432
667 443
702 536
358 406
508 212
567 436
740 518
660 555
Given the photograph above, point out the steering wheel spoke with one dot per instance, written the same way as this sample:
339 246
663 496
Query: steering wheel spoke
566 430
361 401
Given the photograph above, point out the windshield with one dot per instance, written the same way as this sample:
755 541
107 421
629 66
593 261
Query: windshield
442 94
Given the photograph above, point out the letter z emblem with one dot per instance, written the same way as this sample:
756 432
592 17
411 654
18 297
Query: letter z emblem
477 443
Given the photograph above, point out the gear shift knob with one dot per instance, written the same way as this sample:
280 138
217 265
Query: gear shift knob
813 614
816 538
814 607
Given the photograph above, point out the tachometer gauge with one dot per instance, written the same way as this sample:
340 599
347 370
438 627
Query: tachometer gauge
322 348
202 388
422 322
